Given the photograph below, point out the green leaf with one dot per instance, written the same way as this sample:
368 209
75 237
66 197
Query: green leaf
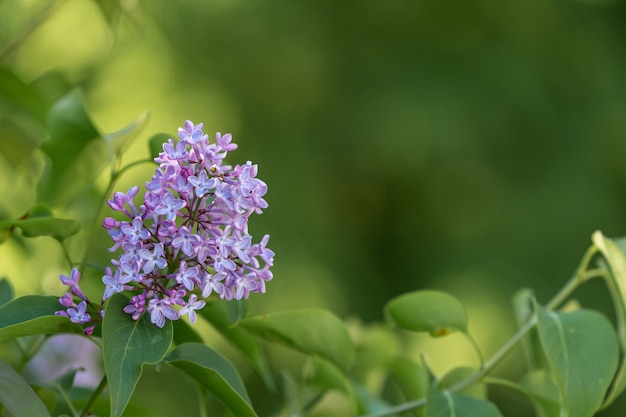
31 315
616 283
376 346
216 313
435 312
523 307
184 333
456 375
412 379
155 143
583 351
312 331
75 149
215 373
446 404
116 142
15 93
6 291
126 346
17 397
40 222
540 387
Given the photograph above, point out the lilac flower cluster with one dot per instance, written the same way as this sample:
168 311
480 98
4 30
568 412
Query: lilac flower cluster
190 237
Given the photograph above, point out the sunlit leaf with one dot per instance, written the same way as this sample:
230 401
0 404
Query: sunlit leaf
127 345
315 332
214 373
17 397
6 291
435 312
41 222
446 404
31 315
583 350
15 93
118 141
376 346
216 313
155 143
411 378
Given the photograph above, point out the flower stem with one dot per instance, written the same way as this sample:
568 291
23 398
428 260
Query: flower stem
94 396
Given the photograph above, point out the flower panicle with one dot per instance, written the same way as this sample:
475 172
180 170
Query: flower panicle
189 237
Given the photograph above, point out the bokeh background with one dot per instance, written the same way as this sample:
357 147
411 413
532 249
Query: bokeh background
468 146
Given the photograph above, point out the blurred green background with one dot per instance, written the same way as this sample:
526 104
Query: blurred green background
469 146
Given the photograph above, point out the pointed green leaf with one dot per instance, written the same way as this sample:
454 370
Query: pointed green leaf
446 404
312 331
74 148
215 373
6 291
126 346
583 350
435 312
17 397
216 313
410 377
118 141
184 333
155 143
31 315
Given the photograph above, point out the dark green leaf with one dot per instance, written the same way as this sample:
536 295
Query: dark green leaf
435 312
216 313
15 93
17 397
446 404
215 373
523 307
31 315
126 346
184 333
75 149
155 143
315 332
6 291
583 350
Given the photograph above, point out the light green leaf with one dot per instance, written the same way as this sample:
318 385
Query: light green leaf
583 351
17 397
31 315
215 373
312 331
155 143
6 291
616 283
540 387
446 404
435 312
412 379
376 346
456 375
40 222
118 141
126 346
16 93
216 313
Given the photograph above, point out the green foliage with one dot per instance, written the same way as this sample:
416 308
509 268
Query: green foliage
214 373
39 221
429 311
17 396
33 315
315 332
446 404
127 346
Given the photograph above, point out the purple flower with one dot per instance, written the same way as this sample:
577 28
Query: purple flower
72 280
169 206
153 258
135 231
160 310
202 183
79 314
192 305
177 151
187 276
